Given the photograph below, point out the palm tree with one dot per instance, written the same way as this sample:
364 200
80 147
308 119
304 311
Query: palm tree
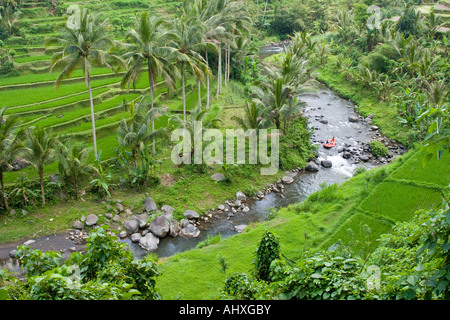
188 45
10 146
73 162
437 92
40 146
431 23
148 47
253 118
9 18
133 135
85 45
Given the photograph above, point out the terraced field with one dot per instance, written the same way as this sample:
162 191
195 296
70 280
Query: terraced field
32 96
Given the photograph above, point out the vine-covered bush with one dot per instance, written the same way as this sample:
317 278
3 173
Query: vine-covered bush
106 271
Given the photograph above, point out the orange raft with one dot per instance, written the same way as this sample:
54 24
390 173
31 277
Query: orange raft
330 143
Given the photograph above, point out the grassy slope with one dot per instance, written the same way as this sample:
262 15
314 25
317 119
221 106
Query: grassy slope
195 274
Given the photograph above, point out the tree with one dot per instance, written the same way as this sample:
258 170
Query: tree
148 47
40 147
253 118
84 45
134 134
74 163
188 44
10 147
10 18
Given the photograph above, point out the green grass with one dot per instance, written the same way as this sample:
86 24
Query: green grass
436 171
398 201
19 97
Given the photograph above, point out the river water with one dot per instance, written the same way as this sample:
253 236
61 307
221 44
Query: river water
328 115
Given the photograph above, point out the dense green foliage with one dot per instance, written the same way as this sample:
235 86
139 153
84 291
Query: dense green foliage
409 263
178 62
105 272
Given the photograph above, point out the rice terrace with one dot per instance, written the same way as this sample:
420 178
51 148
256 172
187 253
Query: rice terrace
224 150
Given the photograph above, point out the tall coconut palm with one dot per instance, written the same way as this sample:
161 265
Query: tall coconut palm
85 45
148 47
40 146
74 163
10 146
188 45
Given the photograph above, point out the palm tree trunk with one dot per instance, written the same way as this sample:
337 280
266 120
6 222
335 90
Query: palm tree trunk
219 71
92 115
199 88
225 60
5 199
41 180
228 64
183 93
150 81
265 8
207 80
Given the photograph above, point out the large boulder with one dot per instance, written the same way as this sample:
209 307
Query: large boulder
132 226
287 180
218 177
326 163
174 228
190 231
78 225
191 214
141 219
168 211
312 167
150 205
135 237
149 242
91 219
160 226
241 196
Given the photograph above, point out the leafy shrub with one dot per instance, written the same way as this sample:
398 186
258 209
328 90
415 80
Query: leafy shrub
267 251
378 149
106 272
376 61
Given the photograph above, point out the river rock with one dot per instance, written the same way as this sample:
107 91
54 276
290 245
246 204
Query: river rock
364 158
141 220
135 237
241 196
150 205
240 228
119 207
221 207
312 167
326 163
27 243
168 210
190 231
12 253
91 219
132 226
174 228
353 119
218 176
287 180
260 195
122 234
346 155
191 214
149 242
159 226
78 225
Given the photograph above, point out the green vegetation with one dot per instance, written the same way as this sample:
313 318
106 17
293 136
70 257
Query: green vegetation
86 119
